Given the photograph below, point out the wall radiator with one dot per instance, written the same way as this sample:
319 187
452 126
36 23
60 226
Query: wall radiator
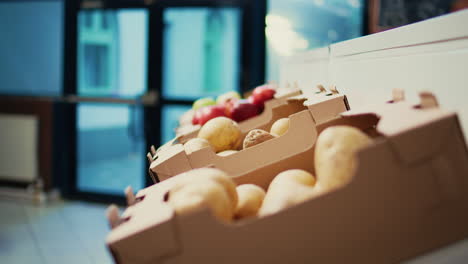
19 148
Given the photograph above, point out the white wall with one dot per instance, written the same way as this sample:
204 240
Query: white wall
430 55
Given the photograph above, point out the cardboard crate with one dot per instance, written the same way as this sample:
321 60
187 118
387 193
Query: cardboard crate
262 119
184 133
276 153
409 195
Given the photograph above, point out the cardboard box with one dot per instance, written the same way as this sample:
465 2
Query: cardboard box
265 118
271 156
409 195
185 132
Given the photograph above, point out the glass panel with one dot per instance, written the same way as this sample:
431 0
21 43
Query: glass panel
201 52
297 25
31 47
170 120
111 148
112 53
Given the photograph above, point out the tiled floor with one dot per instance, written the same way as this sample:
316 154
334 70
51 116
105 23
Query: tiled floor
61 232
74 232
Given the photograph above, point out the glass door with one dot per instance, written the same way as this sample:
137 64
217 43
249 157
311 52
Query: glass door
209 47
107 97
132 68
201 58
112 60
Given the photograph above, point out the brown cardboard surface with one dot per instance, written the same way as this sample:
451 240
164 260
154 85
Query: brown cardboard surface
174 160
320 107
409 196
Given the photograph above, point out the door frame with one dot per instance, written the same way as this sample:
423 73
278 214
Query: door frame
252 72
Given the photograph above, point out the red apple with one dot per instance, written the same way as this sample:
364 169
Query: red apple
196 117
229 105
261 94
209 112
240 110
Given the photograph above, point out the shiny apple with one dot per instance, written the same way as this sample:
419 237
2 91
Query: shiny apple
222 99
202 102
260 95
240 110
209 112
196 117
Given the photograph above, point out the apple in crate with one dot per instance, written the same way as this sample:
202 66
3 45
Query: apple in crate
240 110
202 102
222 99
207 113
261 94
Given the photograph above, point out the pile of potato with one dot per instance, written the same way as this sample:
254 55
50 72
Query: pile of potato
334 161
224 136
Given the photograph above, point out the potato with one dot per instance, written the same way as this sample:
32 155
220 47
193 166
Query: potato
250 200
202 174
222 133
204 187
335 149
227 152
287 189
280 127
195 144
191 197
255 137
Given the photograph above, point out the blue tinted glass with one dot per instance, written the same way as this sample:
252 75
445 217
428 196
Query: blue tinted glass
111 150
170 120
201 52
112 53
31 47
295 26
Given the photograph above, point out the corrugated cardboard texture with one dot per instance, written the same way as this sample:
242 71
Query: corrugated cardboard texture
174 160
397 206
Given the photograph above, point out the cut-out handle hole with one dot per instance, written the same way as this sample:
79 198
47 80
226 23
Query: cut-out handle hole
166 197
140 198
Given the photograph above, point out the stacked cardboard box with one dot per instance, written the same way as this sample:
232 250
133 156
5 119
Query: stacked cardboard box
408 196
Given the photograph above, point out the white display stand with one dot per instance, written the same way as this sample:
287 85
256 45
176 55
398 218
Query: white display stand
430 55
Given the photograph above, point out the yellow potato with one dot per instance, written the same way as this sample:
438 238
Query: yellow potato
187 198
250 200
280 127
195 144
335 150
222 133
204 174
287 189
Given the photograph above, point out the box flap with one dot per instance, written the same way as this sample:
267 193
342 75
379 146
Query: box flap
401 123
146 235
326 108
176 153
270 155
323 104
398 117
